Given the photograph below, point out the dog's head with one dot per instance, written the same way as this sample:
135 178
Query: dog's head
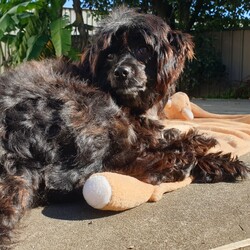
136 57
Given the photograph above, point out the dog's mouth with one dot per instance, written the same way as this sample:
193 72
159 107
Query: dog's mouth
128 87
132 91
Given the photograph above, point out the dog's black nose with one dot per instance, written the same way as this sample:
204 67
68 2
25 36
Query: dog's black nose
122 72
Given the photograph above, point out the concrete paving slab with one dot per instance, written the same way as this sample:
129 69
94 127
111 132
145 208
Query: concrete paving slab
200 216
222 106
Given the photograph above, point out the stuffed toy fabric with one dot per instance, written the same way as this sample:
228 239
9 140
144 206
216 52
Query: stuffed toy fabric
180 107
117 192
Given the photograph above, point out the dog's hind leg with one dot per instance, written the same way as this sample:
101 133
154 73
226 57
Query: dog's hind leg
16 196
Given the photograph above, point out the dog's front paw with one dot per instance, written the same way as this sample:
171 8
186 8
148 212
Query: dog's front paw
171 135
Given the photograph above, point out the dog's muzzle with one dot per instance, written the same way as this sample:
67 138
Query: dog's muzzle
128 79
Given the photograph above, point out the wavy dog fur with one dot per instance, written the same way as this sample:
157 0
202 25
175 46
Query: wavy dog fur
56 129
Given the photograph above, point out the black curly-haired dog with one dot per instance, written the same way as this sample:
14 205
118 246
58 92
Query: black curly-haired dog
56 130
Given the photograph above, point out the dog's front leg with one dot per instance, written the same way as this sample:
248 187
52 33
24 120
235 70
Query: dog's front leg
16 196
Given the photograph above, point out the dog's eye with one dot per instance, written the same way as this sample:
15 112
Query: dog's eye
142 54
110 57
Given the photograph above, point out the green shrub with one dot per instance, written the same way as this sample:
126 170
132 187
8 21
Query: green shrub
205 72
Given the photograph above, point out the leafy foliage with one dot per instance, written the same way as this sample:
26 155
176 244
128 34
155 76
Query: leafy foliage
33 30
206 68
60 36
198 15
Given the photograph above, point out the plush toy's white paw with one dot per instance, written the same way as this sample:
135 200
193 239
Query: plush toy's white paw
97 191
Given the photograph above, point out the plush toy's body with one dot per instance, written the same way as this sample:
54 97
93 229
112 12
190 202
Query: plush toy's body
180 107
116 192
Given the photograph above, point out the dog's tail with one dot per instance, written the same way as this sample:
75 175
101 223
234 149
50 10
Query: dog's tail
218 167
213 167
195 159
208 167
180 155
16 196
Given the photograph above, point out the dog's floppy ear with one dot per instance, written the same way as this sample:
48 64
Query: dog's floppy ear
175 48
90 56
181 44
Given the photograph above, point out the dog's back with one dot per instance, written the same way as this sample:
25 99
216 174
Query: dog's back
54 132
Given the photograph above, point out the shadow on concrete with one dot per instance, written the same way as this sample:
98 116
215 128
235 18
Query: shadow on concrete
74 211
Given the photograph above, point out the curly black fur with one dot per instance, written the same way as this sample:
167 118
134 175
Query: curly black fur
56 130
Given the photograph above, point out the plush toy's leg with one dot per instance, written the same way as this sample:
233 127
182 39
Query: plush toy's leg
117 192
201 113
168 187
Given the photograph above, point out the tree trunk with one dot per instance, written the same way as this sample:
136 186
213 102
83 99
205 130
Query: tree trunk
165 10
184 13
79 24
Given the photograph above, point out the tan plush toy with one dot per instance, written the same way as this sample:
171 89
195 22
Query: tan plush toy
117 192
179 107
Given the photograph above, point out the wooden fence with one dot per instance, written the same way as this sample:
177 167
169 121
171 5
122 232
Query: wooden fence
234 48
88 18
